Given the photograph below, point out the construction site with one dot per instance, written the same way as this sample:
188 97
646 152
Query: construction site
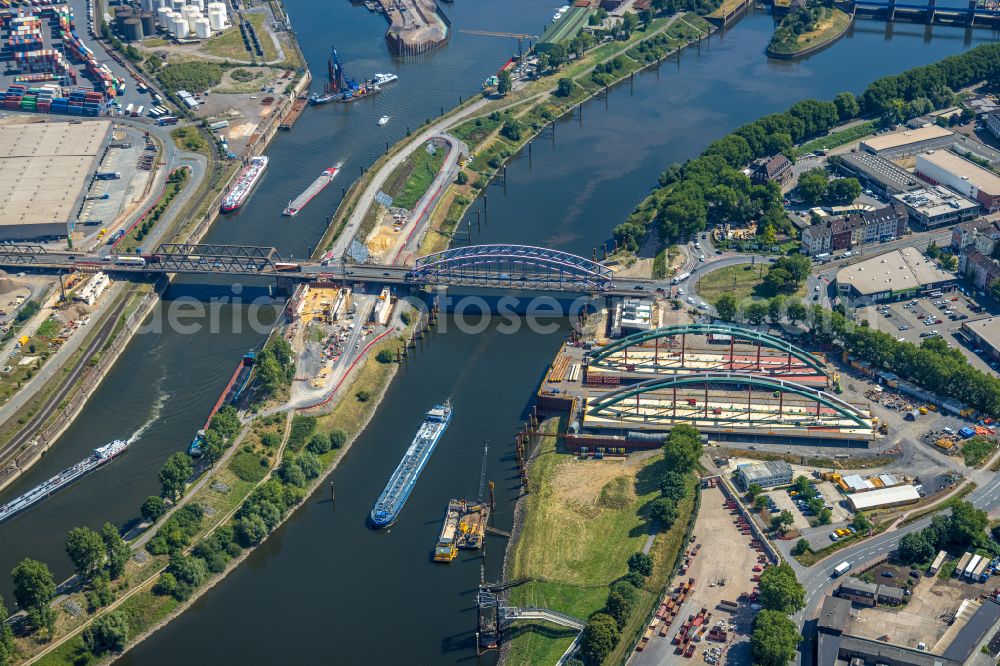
732 383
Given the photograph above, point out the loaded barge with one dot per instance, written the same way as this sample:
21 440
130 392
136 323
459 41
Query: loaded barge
230 396
244 184
317 186
464 527
103 454
397 490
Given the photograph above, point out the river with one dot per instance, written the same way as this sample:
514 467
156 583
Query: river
324 587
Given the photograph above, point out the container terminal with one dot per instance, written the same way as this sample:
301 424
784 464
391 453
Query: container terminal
731 383
464 526
103 454
401 483
317 186
231 395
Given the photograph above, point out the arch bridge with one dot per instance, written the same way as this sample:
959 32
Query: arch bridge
666 358
765 403
519 266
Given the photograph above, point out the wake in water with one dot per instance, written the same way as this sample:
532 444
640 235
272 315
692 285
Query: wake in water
154 415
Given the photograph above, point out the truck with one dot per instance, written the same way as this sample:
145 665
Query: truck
281 266
128 110
108 175
138 112
841 569
130 261
219 125
680 278
168 120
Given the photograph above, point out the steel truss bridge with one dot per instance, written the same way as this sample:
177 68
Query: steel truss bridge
624 404
512 266
498 266
615 355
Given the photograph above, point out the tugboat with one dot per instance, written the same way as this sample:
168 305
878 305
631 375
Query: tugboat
397 490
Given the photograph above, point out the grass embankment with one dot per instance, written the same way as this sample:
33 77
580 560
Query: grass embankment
725 9
742 280
835 139
190 139
831 24
230 43
175 183
582 521
419 168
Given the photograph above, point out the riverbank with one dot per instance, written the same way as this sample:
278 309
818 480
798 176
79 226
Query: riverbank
830 27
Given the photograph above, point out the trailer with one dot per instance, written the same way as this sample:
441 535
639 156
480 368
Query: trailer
971 566
962 563
936 564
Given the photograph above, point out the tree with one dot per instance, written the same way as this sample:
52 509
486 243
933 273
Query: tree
861 522
780 590
7 647
967 525
629 23
914 548
153 508
618 607
511 130
505 83
109 632
801 547
755 312
337 438
641 563
33 590
385 356
565 87
174 475
795 311
812 185
116 550
598 639
86 550
664 512
824 516
753 490
842 190
760 503
726 306
847 106
774 639
319 444
683 448
775 309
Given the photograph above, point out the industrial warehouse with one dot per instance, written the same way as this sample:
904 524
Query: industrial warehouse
894 275
45 168
731 383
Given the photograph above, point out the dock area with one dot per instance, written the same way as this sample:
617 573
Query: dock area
298 106
464 526
416 26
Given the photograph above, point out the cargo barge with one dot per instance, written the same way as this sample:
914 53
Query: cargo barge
464 526
244 184
317 186
230 396
298 106
397 490
103 454
342 88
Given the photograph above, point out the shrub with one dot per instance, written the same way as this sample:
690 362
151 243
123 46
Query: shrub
249 467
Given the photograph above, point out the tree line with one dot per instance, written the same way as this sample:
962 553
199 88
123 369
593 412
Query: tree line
711 189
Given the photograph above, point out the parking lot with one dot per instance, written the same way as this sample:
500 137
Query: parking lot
917 319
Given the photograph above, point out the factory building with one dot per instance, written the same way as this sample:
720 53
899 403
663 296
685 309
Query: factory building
967 178
909 142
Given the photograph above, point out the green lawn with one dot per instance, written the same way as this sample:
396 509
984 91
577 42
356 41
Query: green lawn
230 43
574 544
422 169
742 280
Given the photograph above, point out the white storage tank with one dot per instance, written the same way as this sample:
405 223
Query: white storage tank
202 28
163 17
177 5
217 15
191 14
179 27
200 4
162 3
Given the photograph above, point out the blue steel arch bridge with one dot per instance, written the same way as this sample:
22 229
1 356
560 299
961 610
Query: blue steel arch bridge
497 265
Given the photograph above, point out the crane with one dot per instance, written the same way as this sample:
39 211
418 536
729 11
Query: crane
516 35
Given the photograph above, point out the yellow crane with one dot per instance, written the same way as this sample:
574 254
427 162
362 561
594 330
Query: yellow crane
488 33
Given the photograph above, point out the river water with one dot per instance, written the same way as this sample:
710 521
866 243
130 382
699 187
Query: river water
324 587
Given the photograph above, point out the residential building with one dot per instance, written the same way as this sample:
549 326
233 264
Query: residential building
909 142
943 167
980 268
766 474
846 233
777 168
993 123
878 174
983 234
858 591
891 276
936 206
887 594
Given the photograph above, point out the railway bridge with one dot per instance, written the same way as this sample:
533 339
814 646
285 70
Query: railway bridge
503 266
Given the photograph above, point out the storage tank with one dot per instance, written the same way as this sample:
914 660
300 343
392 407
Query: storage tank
217 15
148 24
177 5
191 14
132 30
121 15
178 27
148 5
202 28
163 17
200 4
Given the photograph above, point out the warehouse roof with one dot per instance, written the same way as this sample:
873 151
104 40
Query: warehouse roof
935 200
899 270
906 137
765 470
986 181
986 330
882 171
974 632
44 168
884 496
